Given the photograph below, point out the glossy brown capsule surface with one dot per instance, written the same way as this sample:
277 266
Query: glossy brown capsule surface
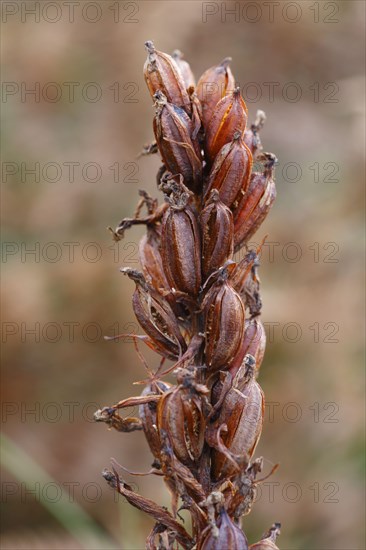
181 250
214 84
224 326
156 317
173 131
161 72
229 117
151 262
231 170
255 204
180 416
242 413
217 234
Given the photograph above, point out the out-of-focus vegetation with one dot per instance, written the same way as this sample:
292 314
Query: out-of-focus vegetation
70 293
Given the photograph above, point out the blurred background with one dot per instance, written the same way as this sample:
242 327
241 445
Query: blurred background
75 115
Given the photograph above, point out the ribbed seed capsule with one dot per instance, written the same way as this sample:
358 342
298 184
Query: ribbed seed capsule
268 542
255 341
173 133
213 85
156 317
255 204
226 536
162 73
180 416
181 249
224 325
254 344
242 412
151 262
217 231
184 68
229 117
231 170
147 414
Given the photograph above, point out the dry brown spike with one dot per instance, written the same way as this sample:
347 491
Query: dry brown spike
199 309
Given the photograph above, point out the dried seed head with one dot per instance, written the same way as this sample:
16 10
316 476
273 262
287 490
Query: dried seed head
181 250
173 132
230 116
184 69
217 230
162 73
226 536
268 542
213 85
231 170
224 325
252 210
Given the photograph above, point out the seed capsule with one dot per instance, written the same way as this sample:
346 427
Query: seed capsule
231 170
226 536
184 68
213 85
217 230
255 204
173 130
229 117
147 413
181 249
268 542
254 344
156 317
151 262
180 416
162 73
224 325
242 412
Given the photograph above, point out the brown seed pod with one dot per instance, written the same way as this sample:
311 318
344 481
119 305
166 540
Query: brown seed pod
151 262
255 341
225 536
213 85
254 344
173 132
180 416
224 325
156 317
231 170
147 414
184 68
230 116
255 204
268 542
162 73
242 414
217 234
181 249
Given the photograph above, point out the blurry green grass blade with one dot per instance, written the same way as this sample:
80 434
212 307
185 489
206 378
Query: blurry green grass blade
69 514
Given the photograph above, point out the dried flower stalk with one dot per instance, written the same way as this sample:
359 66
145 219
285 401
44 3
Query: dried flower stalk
200 309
